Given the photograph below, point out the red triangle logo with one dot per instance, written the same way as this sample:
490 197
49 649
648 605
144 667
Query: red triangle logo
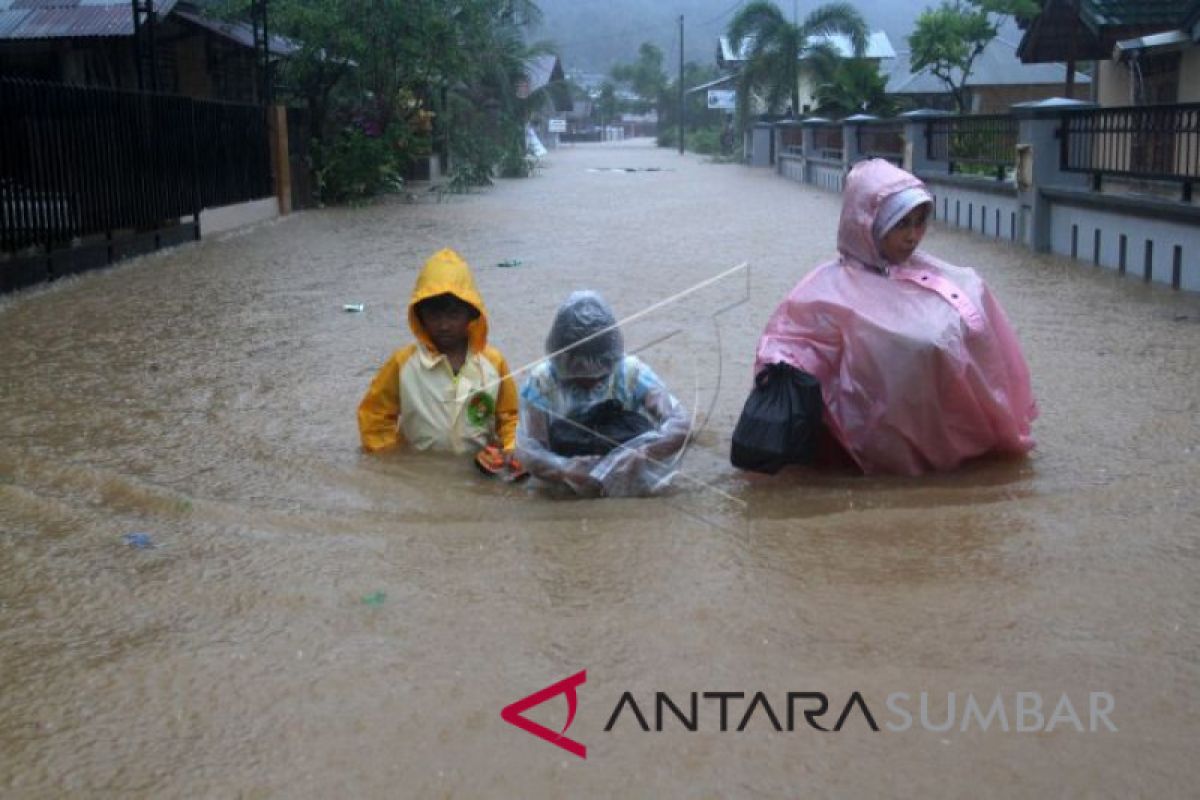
512 713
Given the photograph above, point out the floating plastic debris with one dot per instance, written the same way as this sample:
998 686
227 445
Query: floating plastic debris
510 262
354 308
374 599
138 541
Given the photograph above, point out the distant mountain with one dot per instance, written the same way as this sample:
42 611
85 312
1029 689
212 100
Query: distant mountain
594 35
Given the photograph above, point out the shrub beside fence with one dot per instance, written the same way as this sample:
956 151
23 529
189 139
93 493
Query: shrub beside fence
82 168
979 145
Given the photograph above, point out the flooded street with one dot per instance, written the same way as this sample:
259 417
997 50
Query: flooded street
311 621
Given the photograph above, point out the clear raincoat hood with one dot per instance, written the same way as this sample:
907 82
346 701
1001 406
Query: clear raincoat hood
918 364
584 342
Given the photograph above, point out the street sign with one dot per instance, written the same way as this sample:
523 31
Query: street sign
722 98
558 126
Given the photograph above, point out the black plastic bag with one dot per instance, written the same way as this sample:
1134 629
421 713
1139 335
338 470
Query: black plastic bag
597 430
780 421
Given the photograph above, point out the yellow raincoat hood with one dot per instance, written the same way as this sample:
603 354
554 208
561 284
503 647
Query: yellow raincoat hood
447 273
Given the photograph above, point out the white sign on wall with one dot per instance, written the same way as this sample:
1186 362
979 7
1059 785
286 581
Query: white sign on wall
722 98
557 125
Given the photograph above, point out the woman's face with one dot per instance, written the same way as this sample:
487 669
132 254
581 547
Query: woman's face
900 242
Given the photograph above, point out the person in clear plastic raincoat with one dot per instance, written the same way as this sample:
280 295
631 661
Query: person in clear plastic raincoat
587 370
918 365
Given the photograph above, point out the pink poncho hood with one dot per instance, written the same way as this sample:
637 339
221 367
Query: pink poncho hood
918 364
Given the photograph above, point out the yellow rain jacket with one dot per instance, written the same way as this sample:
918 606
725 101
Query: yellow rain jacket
416 397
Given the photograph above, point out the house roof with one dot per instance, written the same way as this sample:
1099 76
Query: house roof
878 46
237 32
997 65
68 19
1088 29
541 70
724 80
1097 14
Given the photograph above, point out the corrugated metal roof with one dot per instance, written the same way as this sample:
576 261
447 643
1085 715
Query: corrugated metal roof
67 19
238 32
540 70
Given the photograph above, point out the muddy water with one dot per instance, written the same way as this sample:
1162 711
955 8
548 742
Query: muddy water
206 397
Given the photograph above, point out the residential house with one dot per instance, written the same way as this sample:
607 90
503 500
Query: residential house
545 82
879 48
998 80
91 43
1146 51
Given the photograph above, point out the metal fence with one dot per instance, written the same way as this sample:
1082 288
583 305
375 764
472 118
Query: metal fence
791 140
1147 142
82 163
981 145
827 139
882 139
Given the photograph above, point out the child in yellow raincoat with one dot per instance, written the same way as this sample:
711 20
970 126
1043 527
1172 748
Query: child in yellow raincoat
449 391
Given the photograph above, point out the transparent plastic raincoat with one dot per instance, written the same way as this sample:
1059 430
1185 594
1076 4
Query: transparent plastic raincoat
587 365
918 364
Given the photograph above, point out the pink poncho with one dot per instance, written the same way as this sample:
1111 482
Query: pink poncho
918 365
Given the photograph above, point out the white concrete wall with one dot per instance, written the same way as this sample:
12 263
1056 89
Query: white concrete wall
227 218
827 176
986 213
1164 236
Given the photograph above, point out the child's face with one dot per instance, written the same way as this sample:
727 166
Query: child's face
446 322
900 242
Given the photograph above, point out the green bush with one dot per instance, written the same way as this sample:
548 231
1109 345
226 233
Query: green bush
354 166
706 141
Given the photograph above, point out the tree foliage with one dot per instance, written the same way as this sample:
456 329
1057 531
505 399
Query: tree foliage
950 38
855 87
645 77
773 49
417 74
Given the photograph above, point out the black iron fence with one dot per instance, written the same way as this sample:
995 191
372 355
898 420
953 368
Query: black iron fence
882 139
981 145
1146 142
827 139
791 139
83 167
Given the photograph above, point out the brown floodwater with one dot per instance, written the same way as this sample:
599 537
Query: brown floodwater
316 622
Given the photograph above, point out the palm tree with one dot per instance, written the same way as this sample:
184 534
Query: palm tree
856 87
773 48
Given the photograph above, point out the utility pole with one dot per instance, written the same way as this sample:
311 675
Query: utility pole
681 84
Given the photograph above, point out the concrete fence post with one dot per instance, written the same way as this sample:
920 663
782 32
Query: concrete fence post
808 136
1039 165
916 143
850 147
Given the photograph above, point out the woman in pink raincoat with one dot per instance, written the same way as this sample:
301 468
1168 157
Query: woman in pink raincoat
918 365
